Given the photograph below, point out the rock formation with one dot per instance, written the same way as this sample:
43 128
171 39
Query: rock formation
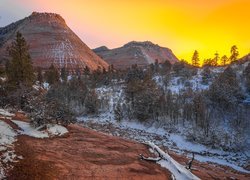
50 41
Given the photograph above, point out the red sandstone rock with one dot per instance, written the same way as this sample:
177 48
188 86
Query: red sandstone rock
140 53
50 41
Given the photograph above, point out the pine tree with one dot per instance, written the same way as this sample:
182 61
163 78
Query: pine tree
39 75
215 59
247 77
195 59
224 60
2 70
118 112
19 69
52 75
111 68
234 53
208 62
64 74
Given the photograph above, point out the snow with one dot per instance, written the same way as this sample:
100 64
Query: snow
113 95
220 161
3 79
7 136
27 129
56 129
189 146
36 87
46 85
5 113
178 171
52 129
158 132
178 84
159 135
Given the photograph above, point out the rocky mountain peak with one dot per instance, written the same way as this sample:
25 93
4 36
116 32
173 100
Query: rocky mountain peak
50 41
49 17
140 53
101 49
141 44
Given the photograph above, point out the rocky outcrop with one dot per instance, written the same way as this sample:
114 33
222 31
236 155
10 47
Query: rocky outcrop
50 41
140 53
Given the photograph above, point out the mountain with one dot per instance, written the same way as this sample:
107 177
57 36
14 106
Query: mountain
140 53
50 41
245 58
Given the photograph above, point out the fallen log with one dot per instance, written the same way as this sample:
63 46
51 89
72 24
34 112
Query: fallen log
165 160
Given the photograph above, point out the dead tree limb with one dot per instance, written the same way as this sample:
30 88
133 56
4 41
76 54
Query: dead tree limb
190 162
178 171
142 157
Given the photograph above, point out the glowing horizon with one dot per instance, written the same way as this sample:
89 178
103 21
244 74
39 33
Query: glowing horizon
183 26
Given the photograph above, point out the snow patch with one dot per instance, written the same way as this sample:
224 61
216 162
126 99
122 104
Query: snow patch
56 130
5 113
7 136
27 129
51 130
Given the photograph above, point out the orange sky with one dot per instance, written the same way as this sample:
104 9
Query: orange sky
182 25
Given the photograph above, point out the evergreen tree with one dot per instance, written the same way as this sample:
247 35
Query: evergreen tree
156 66
52 75
39 75
234 53
91 102
206 75
19 69
195 59
2 71
86 70
64 74
118 112
208 62
166 67
215 59
225 90
224 60
111 68
247 77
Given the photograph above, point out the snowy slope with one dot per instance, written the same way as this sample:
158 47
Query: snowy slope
133 130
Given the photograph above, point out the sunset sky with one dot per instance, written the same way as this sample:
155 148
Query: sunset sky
181 25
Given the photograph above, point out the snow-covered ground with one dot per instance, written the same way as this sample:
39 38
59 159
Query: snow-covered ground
50 130
8 136
160 136
176 84
56 130
5 113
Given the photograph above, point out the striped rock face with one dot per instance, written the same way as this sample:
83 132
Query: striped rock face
50 41
140 53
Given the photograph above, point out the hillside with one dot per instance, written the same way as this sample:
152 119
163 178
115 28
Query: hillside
83 154
140 53
50 41
179 108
